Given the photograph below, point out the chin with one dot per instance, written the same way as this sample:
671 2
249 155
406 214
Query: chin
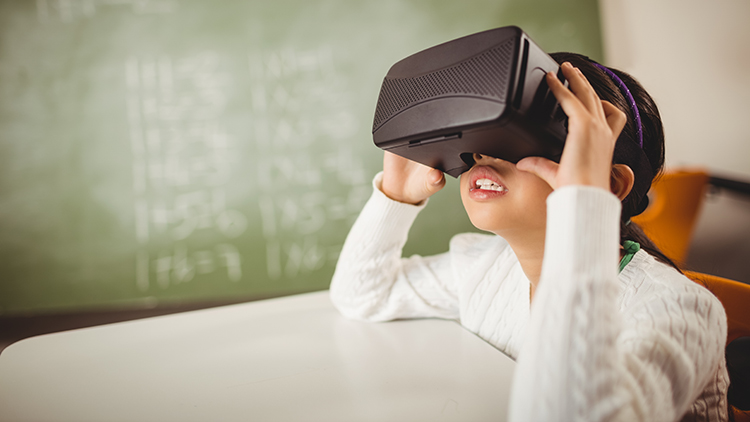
484 217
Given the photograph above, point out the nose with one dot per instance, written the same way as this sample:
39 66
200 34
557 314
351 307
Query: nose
483 159
479 157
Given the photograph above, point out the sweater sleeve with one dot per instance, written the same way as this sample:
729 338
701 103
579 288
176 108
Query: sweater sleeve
584 358
373 282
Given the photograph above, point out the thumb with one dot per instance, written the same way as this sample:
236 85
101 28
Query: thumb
434 181
542 167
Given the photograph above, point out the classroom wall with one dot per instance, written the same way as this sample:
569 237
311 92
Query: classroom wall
693 56
171 151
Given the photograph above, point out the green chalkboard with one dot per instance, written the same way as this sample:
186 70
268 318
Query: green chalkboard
162 151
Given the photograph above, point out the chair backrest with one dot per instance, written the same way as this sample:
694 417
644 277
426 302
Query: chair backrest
735 297
676 198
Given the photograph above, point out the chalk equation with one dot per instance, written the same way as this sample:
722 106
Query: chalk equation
182 161
296 163
311 181
178 265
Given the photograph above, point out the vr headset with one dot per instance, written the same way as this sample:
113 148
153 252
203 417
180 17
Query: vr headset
484 93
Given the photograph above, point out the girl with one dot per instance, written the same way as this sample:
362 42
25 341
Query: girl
591 342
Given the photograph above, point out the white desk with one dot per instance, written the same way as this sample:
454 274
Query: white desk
287 359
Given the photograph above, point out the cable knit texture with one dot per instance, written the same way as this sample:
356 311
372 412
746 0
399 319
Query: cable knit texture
646 345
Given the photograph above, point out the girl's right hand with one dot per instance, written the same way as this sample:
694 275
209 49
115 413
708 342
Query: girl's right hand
593 128
409 182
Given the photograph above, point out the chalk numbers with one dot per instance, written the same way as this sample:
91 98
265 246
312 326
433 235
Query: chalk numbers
182 165
311 183
297 165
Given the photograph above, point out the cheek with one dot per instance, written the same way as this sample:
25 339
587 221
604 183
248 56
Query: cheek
535 195
535 210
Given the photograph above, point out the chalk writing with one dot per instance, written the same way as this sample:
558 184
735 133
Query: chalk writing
309 180
182 161
179 265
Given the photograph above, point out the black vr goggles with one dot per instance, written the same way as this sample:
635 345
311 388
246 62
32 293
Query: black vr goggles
484 93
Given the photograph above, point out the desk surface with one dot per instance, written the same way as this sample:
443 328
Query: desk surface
287 359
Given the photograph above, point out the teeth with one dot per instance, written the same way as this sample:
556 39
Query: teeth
487 184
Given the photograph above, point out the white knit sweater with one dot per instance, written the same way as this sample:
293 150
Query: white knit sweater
647 345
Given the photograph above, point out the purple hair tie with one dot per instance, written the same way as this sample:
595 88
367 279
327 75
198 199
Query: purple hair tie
629 97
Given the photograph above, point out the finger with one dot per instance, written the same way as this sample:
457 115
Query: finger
391 160
570 104
616 118
542 167
436 178
582 89
433 182
398 161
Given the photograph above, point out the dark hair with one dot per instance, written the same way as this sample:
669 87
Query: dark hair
653 140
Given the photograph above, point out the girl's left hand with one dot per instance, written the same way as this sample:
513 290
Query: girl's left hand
593 128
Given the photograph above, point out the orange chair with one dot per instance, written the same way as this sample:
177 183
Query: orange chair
676 198
735 297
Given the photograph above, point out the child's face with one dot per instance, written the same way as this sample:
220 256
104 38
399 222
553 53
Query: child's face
504 200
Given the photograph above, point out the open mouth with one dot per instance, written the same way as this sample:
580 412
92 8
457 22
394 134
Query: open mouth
486 178
487 184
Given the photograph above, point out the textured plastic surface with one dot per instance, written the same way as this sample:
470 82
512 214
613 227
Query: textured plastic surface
483 93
